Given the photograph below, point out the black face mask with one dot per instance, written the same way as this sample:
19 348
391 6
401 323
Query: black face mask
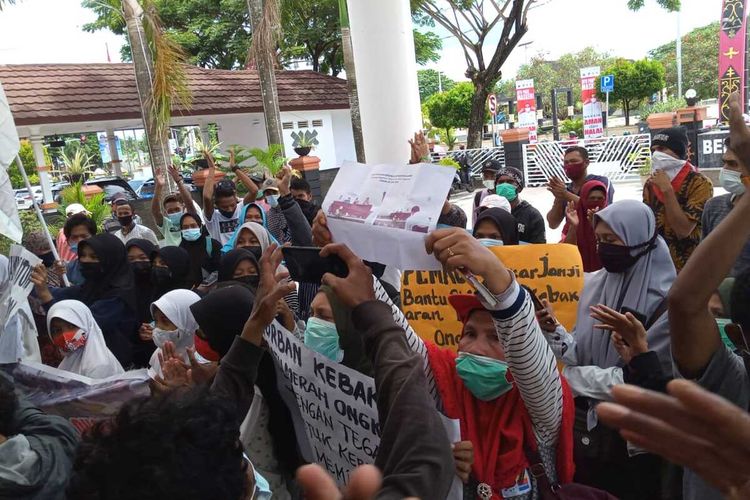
47 259
617 258
255 250
141 270
226 214
125 220
161 276
91 270
251 282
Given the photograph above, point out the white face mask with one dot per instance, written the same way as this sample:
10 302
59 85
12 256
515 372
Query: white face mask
489 185
181 340
731 180
671 166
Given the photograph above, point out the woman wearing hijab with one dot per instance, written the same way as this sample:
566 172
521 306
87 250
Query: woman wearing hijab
203 250
170 270
18 334
173 322
637 274
496 226
593 197
109 292
252 212
239 266
75 332
139 256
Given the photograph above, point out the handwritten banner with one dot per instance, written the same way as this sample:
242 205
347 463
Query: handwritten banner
337 405
554 272
20 264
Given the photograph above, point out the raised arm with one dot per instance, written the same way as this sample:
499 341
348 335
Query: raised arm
156 200
682 219
299 229
208 189
695 335
187 200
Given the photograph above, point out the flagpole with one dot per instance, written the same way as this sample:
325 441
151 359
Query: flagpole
40 216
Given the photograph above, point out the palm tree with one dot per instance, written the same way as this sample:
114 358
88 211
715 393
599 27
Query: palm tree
159 76
351 81
265 19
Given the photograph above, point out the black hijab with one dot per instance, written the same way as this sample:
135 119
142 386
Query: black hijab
177 260
199 258
222 314
117 278
232 259
143 285
504 222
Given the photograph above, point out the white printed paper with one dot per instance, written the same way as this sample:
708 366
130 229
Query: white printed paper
337 405
20 264
383 212
452 428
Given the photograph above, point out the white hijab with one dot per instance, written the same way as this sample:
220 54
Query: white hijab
94 359
260 232
175 305
18 335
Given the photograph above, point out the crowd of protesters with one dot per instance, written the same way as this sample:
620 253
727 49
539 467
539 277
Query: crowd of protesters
645 398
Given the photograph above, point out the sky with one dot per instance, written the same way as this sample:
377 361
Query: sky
49 31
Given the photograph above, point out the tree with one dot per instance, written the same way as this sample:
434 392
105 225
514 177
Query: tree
472 23
670 5
26 153
634 81
453 109
430 82
563 73
217 33
700 61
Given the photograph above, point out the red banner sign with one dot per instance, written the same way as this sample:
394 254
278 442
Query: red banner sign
593 125
732 53
526 104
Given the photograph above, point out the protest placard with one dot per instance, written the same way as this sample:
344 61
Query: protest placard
82 400
383 212
20 264
553 272
337 405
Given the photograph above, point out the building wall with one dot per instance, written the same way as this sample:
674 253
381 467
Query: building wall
343 138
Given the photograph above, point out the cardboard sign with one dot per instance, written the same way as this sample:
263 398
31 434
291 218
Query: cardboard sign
336 404
20 264
554 272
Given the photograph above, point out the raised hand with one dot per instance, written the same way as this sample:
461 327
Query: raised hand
146 332
39 278
546 317
356 288
571 214
285 178
200 373
320 233
627 330
661 180
174 173
558 189
160 181
739 135
419 148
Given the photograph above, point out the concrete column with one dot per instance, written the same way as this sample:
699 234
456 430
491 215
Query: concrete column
43 170
383 46
205 136
112 144
309 166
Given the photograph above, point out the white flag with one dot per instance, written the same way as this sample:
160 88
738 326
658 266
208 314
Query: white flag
10 224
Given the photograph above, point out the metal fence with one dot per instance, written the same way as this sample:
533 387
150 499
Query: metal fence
617 158
476 157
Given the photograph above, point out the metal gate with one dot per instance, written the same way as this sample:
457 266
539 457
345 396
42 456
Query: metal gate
476 157
617 157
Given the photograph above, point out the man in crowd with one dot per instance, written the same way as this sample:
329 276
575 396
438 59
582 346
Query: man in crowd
174 207
77 228
676 193
61 243
301 192
575 163
111 224
509 184
220 204
490 168
129 228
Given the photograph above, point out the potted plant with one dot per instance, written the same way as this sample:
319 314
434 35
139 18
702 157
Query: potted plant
201 164
77 166
304 142
91 197
269 159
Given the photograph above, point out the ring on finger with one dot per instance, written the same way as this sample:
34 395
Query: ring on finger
450 252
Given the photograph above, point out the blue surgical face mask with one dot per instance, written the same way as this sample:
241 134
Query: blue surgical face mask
175 218
191 234
731 180
490 242
262 490
273 200
484 377
321 336
74 246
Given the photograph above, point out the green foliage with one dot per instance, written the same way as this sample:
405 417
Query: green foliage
76 165
671 104
29 222
634 81
26 152
572 125
429 83
700 62
306 139
447 161
670 5
271 159
548 75
448 137
452 109
217 33
95 204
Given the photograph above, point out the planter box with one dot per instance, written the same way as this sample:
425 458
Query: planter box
692 114
199 177
658 121
90 190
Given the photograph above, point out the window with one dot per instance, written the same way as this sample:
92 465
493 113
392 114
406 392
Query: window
287 125
302 124
317 123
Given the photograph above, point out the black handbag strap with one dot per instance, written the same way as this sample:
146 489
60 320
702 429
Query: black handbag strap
658 312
